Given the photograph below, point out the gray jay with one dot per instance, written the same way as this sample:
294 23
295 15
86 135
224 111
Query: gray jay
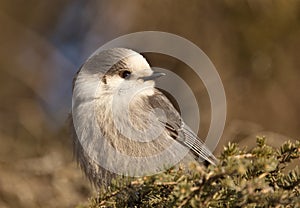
122 124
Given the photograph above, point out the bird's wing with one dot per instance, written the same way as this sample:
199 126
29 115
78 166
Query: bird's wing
178 130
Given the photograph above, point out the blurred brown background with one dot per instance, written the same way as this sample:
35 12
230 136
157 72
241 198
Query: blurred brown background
254 45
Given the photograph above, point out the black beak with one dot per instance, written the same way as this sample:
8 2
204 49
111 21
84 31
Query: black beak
153 76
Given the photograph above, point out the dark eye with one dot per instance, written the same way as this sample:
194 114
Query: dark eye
125 74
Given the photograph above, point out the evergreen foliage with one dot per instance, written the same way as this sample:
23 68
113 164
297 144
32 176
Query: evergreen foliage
261 177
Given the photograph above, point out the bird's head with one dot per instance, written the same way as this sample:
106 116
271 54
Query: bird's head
118 72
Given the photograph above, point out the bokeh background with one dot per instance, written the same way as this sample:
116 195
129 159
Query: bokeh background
254 45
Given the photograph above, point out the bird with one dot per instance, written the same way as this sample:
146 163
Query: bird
122 124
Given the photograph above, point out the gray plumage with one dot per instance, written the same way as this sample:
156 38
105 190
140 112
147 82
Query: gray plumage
101 90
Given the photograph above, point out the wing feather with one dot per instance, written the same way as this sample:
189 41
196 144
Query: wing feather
178 130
